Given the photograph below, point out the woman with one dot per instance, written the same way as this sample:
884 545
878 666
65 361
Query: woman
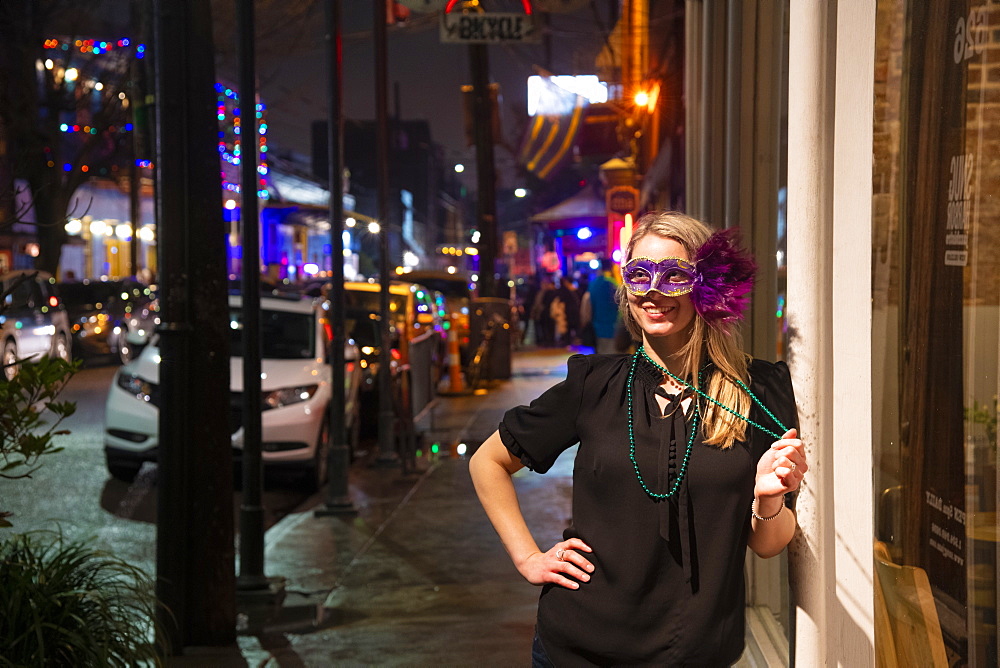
685 459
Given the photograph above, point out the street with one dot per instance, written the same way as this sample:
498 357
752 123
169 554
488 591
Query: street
414 576
72 491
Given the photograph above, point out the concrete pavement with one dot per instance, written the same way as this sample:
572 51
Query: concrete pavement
417 577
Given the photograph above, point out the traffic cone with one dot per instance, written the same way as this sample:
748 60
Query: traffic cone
454 363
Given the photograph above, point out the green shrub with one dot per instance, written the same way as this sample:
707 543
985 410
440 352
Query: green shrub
66 604
25 402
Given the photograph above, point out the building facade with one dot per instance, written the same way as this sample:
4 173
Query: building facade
858 144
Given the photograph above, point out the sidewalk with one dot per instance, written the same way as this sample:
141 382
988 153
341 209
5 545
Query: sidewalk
417 577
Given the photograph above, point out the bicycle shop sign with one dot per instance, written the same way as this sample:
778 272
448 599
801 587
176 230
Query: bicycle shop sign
488 28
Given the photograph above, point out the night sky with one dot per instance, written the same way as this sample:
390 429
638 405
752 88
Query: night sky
429 75
291 63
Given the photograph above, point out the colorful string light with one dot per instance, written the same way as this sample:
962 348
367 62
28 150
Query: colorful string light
227 112
230 136
96 47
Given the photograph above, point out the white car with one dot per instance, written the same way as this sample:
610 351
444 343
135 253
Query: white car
295 382
33 320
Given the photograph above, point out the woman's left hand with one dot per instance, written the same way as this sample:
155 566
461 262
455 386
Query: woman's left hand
781 468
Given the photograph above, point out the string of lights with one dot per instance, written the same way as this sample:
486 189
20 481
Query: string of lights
94 47
231 137
227 111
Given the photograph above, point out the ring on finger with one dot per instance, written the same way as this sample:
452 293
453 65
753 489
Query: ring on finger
560 554
793 466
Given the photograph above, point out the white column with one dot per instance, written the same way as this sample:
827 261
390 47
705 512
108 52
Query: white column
829 314
810 211
852 344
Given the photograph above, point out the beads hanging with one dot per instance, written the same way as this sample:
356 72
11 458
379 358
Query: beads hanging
739 382
696 415
631 442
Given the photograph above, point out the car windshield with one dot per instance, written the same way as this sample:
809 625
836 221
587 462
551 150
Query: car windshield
283 335
95 292
363 327
358 301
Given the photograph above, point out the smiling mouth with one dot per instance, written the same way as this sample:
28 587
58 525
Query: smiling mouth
658 310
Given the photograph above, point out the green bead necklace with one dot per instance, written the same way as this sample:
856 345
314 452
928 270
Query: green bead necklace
694 423
631 437
719 404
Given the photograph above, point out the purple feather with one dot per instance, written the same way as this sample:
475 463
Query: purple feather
725 278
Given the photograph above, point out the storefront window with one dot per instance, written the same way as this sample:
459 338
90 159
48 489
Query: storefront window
936 331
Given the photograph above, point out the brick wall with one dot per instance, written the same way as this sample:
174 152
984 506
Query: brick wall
982 143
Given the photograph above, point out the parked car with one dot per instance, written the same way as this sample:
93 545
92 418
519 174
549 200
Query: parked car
363 327
114 317
418 338
415 314
33 321
454 289
295 375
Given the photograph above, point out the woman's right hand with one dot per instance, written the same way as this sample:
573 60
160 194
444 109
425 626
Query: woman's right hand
552 567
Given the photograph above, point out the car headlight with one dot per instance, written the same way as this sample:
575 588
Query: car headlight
142 389
287 395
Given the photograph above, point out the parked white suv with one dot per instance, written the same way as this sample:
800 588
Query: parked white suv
33 320
295 383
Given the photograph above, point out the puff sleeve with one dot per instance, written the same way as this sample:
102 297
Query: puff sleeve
539 432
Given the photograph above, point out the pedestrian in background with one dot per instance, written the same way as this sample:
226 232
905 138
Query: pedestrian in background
526 300
602 308
581 281
565 312
687 450
544 327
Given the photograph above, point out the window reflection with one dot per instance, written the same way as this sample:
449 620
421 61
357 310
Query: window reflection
936 332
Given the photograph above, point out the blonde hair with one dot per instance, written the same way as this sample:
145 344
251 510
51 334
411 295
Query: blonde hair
722 345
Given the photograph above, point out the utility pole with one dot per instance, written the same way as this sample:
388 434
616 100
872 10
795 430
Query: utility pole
138 86
253 585
488 305
486 205
194 542
386 414
338 495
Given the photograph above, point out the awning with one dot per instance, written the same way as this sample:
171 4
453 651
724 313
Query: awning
583 208
104 200
295 213
296 189
297 200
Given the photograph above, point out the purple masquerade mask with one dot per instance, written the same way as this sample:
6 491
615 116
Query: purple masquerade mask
719 280
670 276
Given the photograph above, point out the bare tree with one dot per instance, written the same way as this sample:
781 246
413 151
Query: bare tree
63 113
46 85
280 26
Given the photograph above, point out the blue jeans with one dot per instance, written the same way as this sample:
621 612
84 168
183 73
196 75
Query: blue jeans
539 659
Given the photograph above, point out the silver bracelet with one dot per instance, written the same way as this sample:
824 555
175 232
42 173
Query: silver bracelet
764 519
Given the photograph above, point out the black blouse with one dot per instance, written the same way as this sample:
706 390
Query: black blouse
668 583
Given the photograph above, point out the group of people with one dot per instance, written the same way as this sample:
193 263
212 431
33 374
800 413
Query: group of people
568 314
552 312
687 454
